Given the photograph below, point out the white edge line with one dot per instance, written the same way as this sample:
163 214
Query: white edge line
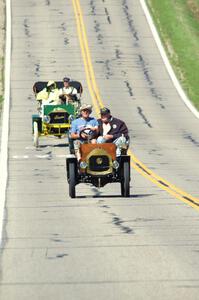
166 60
5 118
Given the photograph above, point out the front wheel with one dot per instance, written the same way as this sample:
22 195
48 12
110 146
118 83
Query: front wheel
72 180
36 134
125 183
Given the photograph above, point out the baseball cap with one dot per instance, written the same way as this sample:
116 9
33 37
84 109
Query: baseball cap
66 79
104 111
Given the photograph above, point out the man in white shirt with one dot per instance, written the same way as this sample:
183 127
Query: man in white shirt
68 92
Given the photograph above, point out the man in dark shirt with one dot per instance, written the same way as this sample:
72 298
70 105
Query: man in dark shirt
112 130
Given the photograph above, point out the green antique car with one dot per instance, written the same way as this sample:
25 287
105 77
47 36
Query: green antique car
52 119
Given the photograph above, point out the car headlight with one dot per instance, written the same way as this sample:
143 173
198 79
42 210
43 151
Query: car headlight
115 164
71 118
83 165
46 119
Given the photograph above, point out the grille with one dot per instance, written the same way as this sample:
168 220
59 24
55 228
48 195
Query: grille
57 130
59 117
99 163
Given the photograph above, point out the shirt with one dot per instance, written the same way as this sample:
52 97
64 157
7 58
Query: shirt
51 97
80 123
106 128
117 129
69 90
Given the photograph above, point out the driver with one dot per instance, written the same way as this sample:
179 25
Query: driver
80 126
68 92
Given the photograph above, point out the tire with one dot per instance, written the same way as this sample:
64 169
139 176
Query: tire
72 180
125 184
36 134
71 146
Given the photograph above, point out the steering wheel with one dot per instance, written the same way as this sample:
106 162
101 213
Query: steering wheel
90 134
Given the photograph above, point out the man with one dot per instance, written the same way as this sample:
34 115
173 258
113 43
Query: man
50 94
112 130
68 92
85 122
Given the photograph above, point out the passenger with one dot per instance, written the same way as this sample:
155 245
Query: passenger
68 93
84 122
113 130
50 94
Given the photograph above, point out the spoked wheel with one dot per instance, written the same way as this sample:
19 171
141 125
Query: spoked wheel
36 134
72 180
125 183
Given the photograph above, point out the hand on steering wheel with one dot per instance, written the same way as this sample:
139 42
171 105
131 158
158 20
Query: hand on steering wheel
87 133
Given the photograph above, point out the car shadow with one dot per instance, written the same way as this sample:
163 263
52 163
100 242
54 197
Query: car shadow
63 145
115 196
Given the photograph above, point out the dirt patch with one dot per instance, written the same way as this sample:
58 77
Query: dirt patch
2 45
194 8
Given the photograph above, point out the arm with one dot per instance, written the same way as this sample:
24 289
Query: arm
94 126
121 130
73 131
74 136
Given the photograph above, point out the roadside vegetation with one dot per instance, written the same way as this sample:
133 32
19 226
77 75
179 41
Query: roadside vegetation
178 25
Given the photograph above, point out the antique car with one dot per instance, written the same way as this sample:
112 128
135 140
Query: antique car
98 166
54 119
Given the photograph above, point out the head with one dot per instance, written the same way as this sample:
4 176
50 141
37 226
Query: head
105 114
85 110
51 85
66 81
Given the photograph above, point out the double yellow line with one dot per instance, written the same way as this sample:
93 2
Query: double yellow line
97 102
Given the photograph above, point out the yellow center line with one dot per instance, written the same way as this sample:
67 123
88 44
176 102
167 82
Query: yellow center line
97 101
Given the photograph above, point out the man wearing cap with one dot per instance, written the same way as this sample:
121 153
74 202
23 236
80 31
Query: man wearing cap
50 94
83 123
112 130
68 90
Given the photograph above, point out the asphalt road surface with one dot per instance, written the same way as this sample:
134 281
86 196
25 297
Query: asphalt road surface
99 245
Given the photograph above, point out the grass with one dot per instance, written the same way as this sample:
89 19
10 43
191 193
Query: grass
178 24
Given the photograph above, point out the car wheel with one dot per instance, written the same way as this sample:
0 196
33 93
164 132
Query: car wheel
72 180
36 134
71 145
125 184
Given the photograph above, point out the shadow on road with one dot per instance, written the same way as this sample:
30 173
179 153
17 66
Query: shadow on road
115 196
63 145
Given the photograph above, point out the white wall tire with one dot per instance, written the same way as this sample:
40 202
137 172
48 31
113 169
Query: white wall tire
36 134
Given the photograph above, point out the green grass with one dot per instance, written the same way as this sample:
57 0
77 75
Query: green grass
178 24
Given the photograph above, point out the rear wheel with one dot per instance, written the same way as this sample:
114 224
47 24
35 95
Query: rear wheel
71 145
72 180
36 134
125 184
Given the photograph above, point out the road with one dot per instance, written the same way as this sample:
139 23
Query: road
99 245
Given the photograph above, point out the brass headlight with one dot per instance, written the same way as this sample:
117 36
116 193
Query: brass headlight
99 160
